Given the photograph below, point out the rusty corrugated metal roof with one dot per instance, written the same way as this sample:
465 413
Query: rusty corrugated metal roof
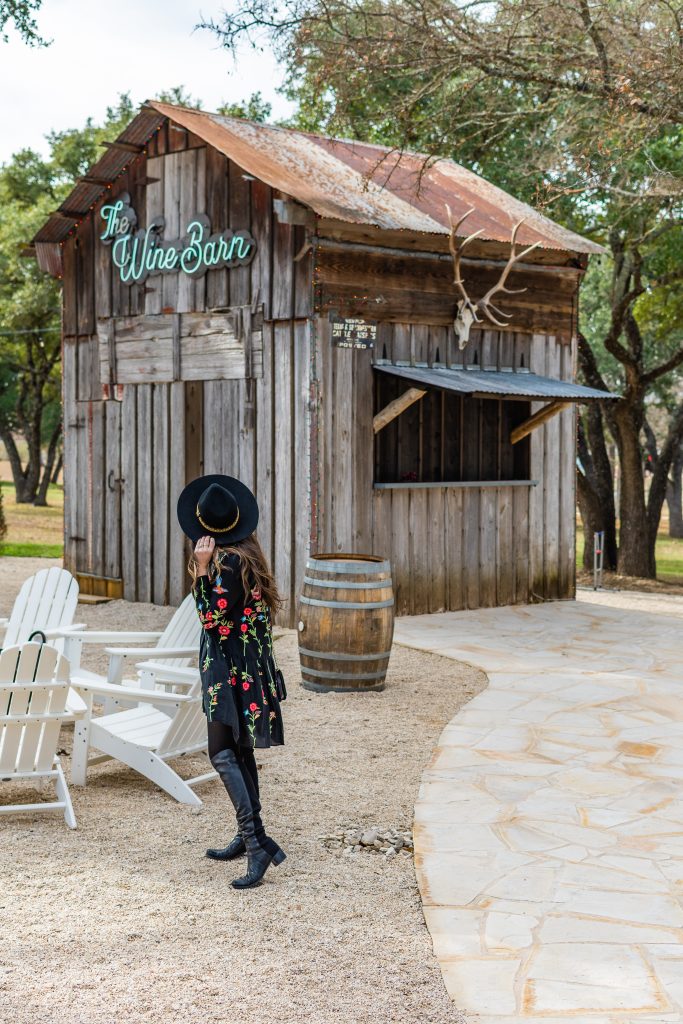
494 382
343 180
84 195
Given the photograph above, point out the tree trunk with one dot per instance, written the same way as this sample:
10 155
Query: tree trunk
591 517
595 489
636 547
58 469
660 476
41 497
674 495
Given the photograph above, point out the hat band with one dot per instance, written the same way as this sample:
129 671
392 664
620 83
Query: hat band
218 529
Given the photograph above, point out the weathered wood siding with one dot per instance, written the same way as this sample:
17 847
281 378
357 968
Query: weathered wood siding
409 289
451 547
174 377
233 372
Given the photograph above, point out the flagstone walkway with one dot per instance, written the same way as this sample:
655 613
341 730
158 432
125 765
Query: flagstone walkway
549 821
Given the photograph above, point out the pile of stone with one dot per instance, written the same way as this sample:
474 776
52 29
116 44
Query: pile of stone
389 842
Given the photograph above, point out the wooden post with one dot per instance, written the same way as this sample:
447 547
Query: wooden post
538 418
395 408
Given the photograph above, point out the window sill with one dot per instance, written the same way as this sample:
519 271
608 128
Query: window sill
455 483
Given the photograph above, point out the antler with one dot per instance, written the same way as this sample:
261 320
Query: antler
485 304
456 252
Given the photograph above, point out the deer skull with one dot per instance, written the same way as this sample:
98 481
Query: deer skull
467 308
467 315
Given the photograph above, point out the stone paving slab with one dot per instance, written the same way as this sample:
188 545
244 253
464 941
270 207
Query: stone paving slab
549 821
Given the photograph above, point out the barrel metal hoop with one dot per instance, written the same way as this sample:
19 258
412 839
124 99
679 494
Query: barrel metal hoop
341 675
354 567
369 585
347 604
342 657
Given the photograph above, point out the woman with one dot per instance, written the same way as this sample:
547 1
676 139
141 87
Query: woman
242 686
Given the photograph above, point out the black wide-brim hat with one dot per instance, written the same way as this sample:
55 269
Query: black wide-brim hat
218 506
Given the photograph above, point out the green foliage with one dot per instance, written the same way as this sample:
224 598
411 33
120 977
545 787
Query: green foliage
253 109
20 14
179 96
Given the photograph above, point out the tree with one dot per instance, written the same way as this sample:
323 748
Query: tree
30 402
29 344
573 105
20 13
253 109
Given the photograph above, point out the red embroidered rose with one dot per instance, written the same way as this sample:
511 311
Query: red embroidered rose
245 685
209 625
224 631
233 681
256 594
253 707
222 603
244 627
209 615
247 611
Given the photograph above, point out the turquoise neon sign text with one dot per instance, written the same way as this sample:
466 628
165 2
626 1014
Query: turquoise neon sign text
139 254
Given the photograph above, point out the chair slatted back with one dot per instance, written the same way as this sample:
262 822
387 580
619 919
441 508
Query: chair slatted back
184 630
187 728
46 601
34 682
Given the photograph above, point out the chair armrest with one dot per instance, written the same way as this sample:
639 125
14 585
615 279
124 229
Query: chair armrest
4 623
106 636
58 631
85 686
154 652
170 673
75 704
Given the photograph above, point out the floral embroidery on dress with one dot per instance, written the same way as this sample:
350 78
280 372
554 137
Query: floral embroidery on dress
237 662
252 713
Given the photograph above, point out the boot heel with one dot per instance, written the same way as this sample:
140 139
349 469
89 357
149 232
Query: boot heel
279 856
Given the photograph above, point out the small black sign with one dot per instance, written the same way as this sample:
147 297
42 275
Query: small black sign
351 332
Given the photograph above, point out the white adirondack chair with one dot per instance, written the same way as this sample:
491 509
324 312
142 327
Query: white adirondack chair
34 684
161 727
174 648
46 601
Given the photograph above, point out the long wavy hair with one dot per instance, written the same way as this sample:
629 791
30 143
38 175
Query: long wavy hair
254 569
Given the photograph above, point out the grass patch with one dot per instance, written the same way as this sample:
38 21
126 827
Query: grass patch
668 553
32 530
32 550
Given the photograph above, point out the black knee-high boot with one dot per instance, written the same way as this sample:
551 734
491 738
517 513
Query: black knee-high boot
236 847
228 767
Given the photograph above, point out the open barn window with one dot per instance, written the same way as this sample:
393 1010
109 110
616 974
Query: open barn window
449 437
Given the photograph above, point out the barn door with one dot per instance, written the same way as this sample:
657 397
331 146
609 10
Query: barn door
112 485
158 441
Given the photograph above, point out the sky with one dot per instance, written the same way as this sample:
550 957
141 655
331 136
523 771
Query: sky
100 49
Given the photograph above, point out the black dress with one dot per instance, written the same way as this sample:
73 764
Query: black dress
241 683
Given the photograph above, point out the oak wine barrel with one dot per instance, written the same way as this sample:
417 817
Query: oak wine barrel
346 622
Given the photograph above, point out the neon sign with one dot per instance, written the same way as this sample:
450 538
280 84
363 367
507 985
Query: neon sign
141 253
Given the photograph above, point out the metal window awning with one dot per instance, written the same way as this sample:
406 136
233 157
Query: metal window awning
495 383
487 384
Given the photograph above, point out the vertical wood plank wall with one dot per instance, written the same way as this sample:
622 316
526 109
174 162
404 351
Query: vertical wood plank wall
301 435
128 455
450 548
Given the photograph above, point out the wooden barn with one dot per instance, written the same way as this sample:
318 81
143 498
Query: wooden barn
349 330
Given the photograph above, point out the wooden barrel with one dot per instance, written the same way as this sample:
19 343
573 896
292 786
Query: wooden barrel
346 622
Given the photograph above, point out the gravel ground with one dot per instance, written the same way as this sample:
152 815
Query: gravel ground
125 920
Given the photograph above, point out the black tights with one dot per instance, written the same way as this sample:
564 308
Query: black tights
221 738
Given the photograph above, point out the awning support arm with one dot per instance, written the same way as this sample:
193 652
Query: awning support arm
538 419
395 408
